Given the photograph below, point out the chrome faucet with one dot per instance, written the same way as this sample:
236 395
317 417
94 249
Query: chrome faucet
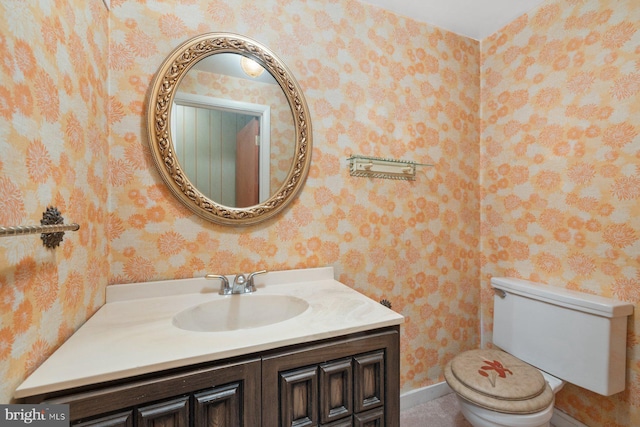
241 284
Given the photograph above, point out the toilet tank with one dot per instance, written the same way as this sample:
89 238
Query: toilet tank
578 337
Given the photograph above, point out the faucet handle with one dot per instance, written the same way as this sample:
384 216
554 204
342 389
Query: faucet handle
250 284
255 273
225 289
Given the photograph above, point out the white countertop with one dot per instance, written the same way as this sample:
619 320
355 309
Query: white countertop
133 333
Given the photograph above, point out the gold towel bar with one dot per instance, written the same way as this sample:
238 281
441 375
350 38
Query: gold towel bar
51 229
34 229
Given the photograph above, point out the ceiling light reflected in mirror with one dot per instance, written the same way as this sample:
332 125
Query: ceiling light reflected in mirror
251 67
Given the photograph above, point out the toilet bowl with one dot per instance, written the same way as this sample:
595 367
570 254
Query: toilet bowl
539 334
496 389
481 417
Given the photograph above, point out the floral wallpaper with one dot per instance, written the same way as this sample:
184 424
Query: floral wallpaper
560 175
377 84
53 152
532 133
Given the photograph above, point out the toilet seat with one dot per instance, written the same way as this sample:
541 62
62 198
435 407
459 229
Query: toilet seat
498 381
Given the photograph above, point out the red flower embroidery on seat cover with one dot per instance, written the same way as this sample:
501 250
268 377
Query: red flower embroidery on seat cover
492 370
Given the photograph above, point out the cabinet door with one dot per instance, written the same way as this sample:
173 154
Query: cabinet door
373 418
121 419
369 381
375 373
336 395
299 397
171 413
142 394
219 406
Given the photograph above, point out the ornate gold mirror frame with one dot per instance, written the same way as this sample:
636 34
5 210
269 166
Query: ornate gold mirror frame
161 100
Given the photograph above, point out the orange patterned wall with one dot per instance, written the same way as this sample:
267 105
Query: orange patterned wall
552 170
53 151
560 175
376 84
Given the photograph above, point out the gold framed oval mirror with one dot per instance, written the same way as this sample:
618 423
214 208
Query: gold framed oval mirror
229 129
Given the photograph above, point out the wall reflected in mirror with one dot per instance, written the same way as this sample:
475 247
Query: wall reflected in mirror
233 133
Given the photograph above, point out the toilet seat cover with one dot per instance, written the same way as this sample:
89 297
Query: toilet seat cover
498 381
497 374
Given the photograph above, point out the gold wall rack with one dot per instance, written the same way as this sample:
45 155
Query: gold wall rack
51 228
378 167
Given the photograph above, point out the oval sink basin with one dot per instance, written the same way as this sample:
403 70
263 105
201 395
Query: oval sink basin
239 312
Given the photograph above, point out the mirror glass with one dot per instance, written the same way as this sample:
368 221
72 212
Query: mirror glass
229 129
233 130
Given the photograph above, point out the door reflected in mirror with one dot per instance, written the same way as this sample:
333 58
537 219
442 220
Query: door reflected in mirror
224 148
229 164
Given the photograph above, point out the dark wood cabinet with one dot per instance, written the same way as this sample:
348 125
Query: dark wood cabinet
224 395
217 406
349 381
344 382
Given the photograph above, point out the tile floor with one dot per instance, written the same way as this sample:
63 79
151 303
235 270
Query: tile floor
441 412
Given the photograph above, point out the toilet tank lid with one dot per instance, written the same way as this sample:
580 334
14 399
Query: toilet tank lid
594 304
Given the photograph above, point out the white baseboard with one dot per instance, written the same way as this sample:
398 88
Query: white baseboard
425 394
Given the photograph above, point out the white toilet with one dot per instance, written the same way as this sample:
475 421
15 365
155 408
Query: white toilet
546 335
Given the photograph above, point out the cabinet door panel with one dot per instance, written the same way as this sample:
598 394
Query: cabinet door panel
345 422
372 418
299 397
219 406
368 381
122 419
170 413
336 395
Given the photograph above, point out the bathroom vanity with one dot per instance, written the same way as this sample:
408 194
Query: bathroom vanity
137 362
